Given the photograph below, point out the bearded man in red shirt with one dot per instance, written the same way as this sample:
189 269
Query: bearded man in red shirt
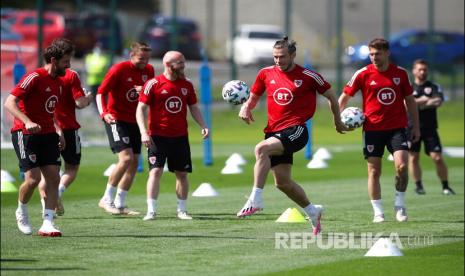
291 100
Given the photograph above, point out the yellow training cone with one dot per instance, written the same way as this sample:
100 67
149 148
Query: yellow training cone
291 215
8 187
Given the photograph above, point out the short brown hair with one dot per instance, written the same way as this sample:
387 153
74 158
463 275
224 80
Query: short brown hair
285 43
59 48
140 46
379 44
420 61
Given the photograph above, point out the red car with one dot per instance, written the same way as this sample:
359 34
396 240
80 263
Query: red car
55 25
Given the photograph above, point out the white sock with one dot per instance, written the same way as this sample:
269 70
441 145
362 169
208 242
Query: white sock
400 199
42 201
151 205
377 206
256 194
61 190
22 206
120 199
310 210
181 205
48 215
109 192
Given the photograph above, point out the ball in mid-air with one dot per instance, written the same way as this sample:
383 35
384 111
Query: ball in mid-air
235 92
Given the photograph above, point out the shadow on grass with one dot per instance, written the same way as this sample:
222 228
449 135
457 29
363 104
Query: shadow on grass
41 268
174 236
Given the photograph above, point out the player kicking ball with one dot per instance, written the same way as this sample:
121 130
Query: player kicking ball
291 101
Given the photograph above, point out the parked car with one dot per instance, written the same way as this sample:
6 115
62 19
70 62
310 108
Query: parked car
159 29
409 45
84 29
253 44
7 33
83 37
25 23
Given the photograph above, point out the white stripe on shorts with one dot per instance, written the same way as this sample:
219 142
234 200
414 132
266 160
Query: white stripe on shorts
77 142
296 134
115 133
22 152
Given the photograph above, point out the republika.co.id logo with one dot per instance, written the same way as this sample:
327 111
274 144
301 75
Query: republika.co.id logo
305 240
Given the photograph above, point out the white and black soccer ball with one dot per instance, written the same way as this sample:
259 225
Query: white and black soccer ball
235 92
352 117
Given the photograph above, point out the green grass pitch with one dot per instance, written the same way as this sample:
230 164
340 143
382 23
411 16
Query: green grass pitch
217 243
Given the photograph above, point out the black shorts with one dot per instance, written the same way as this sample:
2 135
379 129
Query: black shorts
293 139
431 141
123 135
36 150
176 149
72 152
375 141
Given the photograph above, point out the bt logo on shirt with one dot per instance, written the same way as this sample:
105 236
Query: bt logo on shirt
132 95
51 103
283 96
386 95
173 104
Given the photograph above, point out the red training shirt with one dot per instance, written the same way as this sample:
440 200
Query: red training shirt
383 96
291 96
118 85
38 94
168 101
65 113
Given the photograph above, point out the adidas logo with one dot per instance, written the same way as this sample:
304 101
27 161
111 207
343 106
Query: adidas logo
129 79
164 92
373 82
272 82
48 89
404 144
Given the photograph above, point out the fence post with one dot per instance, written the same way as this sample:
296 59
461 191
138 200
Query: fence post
206 100
308 148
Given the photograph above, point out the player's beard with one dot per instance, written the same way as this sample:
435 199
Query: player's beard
178 73
60 71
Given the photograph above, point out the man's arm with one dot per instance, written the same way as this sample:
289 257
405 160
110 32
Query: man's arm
84 101
11 104
246 109
141 111
343 100
425 102
413 112
334 106
197 115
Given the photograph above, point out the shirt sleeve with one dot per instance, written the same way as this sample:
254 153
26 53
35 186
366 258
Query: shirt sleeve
321 85
76 87
355 84
25 85
148 93
406 85
258 87
192 96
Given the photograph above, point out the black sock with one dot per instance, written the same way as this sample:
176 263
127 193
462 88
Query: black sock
419 184
445 184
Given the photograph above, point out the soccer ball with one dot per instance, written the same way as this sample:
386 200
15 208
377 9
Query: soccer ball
235 92
352 117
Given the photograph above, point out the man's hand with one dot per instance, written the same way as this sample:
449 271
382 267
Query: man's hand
109 119
146 139
246 114
33 127
205 133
